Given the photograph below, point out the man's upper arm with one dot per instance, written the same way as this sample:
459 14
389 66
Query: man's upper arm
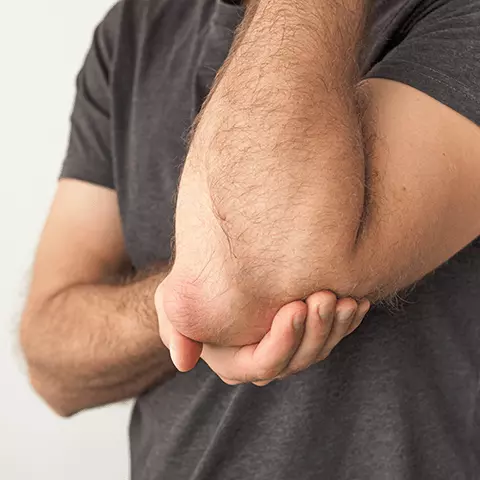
423 187
90 153
82 241
423 168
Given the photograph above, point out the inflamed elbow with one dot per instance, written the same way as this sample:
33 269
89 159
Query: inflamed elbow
227 317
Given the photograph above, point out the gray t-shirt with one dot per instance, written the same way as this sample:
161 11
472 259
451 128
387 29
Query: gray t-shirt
397 400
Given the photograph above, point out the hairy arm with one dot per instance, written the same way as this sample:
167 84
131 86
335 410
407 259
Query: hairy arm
306 179
90 340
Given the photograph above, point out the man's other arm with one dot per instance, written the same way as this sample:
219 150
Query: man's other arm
89 340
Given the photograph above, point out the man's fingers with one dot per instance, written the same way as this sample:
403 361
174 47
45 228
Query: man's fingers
321 313
263 383
362 310
278 347
345 312
228 381
265 360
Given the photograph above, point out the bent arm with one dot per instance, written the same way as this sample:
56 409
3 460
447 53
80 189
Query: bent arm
89 340
305 179
375 181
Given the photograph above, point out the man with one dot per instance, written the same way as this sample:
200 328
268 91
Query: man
338 149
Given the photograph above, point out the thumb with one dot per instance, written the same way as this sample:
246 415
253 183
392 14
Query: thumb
184 352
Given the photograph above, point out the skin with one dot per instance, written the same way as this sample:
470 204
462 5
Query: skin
89 331
89 336
378 181
279 148
301 334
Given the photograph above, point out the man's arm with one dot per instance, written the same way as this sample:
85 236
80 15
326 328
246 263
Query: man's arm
423 190
87 340
307 179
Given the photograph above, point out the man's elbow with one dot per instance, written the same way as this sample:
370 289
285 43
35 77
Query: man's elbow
54 395
42 381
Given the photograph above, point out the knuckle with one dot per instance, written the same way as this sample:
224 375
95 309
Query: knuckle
262 384
295 369
348 315
330 296
291 369
327 300
242 378
267 372
324 355
229 381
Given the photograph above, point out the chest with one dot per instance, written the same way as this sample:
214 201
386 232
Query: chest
170 77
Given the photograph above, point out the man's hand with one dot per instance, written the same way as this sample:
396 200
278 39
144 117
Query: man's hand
301 334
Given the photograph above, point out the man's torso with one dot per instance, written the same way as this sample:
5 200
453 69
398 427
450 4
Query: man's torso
396 400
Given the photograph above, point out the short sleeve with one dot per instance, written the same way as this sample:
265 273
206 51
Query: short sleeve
89 153
440 56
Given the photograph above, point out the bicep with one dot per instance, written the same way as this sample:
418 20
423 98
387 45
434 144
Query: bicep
423 195
82 241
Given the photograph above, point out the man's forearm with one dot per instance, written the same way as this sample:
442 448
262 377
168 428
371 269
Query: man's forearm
95 344
282 143
274 181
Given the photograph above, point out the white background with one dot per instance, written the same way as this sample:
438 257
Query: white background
42 46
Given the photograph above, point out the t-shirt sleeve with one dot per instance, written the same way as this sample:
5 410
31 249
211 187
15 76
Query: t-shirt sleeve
440 56
89 153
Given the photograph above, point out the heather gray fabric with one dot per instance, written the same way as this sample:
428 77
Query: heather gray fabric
398 399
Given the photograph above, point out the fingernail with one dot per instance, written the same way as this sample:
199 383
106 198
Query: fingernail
174 356
344 315
298 321
325 313
364 309
324 356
